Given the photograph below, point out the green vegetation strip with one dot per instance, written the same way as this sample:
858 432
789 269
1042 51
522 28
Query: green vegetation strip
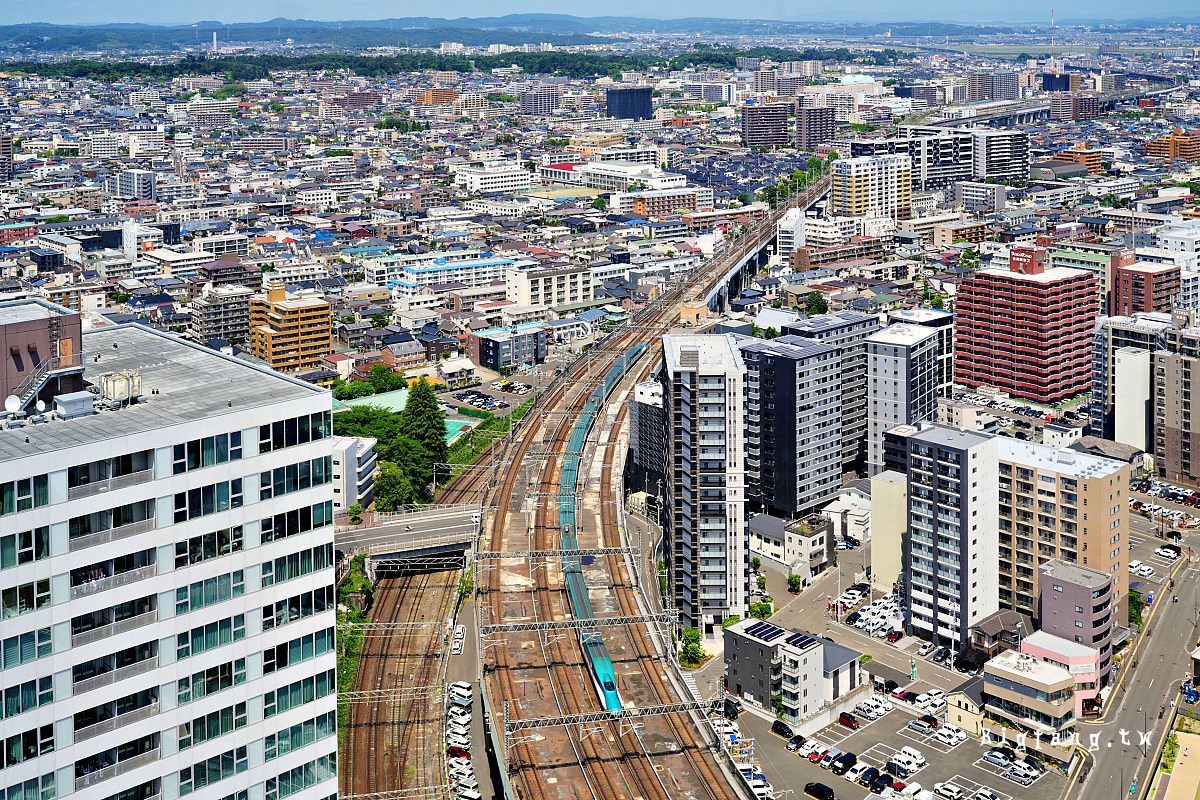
349 636
468 448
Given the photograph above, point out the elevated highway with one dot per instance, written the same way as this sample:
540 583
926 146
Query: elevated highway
1035 110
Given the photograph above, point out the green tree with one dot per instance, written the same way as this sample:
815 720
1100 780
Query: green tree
762 583
760 610
600 203
815 304
423 421
381 320
1136 604
691 636
692 655
756 563
394 488
795 583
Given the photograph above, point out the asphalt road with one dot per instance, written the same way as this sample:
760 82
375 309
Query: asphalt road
1121 744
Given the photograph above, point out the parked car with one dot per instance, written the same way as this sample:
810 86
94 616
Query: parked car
849 720
897 768
816 755
781 728
920 726
948 791
914 755
1017 776
819 791
1033 762
795 743
895 636
827 760
883 781
868 777
843 763
996 758
855 772
929 719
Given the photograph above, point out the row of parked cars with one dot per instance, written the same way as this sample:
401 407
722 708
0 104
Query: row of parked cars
882 618
460 696
481 400
1023 771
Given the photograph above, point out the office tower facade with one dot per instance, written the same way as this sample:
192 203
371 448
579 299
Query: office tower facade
950 553
940 156
1026 329
793 446
999 155
635 102
1144 287
290 334
1080 605
541 101
1059 504
814 126
902 383
765 124
943 322
871 186
168 546
847 331
706 542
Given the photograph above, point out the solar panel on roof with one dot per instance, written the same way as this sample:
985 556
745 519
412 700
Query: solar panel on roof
768 632
755 628
800 640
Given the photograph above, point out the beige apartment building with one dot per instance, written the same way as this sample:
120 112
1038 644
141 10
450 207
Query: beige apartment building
549 284
1059 504
872 186
1031 702
290 334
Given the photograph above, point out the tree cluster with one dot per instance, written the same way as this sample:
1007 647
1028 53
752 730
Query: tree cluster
410 444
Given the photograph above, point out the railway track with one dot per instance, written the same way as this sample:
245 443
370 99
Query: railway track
395 742
586 765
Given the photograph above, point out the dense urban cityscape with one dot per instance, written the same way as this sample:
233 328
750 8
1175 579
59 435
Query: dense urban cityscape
566 408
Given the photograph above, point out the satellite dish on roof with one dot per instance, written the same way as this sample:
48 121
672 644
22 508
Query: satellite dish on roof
40 406
12 404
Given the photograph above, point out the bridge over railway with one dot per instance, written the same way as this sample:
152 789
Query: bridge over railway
422 537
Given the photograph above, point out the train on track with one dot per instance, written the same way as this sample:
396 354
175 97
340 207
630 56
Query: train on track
599 662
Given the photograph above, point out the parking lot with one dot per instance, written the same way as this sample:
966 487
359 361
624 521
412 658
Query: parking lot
875 743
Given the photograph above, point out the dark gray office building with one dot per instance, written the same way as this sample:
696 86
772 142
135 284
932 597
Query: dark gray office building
630 103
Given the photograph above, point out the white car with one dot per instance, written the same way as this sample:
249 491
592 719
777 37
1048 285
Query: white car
1146 571
855 772
913 754
948 791
1134 565
1167 553
456 647
911 789
881 703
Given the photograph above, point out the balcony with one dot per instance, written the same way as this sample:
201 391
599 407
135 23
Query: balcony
113 628
120 768
111 535
110 725
109 484
114 676
112 582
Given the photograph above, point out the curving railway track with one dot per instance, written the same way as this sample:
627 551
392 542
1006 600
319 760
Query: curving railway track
394 742
543 675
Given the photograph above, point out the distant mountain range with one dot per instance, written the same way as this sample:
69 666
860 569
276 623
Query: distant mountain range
512 29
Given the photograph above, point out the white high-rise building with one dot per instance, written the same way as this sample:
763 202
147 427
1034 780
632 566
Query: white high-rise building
952 545
902 383
166 566
707 541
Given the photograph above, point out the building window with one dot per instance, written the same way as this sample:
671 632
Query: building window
1057 588
24 494
18 600
210 637
299 735
298 430
209 592
207 500
295 565
297 650
209 545
210 726
296 521
27 696
206 452
299 693
24 547
210 681
296 608
26 647
210 770
294 478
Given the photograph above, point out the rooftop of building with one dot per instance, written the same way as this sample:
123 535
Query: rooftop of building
30 309
1073 574
902 333
1026 670
1059 646
182 381
945 436
920 316
1049 275
713 353
789 346
1045 458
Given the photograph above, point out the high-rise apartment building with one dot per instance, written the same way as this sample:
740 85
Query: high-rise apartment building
793 445
167 569
1000 155
1074 106
814 126
6 157
1176 434
221 312
1177 145
541 101
137 184
765 124
1121 398
1059 504
646 466
952 544
993 86
902 383
943 322
847 331
636 102
940 156
706 540
872 186
1026 330
1144 287
290 334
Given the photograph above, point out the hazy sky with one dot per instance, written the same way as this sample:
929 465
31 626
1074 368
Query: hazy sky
175 11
